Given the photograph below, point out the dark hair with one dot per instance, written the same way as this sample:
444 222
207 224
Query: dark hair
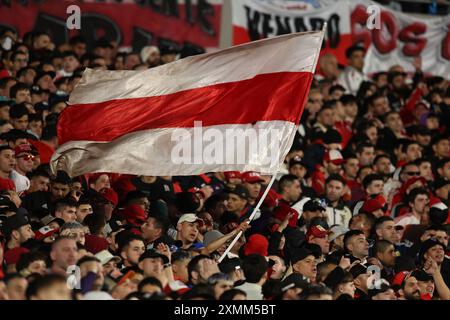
336 87
381 156
254 267
19 86
380 221
61 204
212 201
124 238
180 255
43 282
134 195
352 49
285 180
335 177
230 294
348 99
87 259
149 281
381 246
95 222
350 234
360 147
415 192
27 258
371 178
193 264
315 290
18 111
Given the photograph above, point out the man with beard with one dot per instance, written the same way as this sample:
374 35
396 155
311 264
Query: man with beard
407 286
337 212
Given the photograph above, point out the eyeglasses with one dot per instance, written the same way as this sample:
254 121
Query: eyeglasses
27 157
413 173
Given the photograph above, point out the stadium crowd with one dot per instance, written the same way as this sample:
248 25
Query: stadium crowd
359 211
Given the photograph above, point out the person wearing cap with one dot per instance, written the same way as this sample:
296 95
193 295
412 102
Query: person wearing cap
24 155
238 202
406 286
341 282
156 263
337 212
297 167
252 181
17 230
361 281
434 250
304 262
382 292
331 164
312 209
188 229
318 235
336 237
292 286
7 163
373 207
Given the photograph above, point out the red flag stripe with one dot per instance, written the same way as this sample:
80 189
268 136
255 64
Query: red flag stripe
265 97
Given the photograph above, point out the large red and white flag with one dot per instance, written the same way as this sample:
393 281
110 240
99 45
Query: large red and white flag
235 109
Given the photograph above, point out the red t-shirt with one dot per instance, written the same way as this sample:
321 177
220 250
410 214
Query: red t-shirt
7 184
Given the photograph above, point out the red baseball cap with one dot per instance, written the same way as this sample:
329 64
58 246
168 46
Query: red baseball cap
23 148
196 190
271 200
110 195
316 232
333 156
257 244
232 175
134 213
251 177
371 205
45 232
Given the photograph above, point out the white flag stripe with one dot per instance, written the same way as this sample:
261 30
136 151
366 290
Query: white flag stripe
230 65
135 152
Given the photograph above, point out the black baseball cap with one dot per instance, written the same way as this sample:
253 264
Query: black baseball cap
152 253
297 160
240 191
14 222
314 205
421 275
294 280
301 253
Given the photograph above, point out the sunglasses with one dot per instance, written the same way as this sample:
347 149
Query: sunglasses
27 157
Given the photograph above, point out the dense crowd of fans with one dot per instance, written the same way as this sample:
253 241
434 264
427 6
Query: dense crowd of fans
359 211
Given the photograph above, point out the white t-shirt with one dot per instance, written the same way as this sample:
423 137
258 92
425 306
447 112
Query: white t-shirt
22 182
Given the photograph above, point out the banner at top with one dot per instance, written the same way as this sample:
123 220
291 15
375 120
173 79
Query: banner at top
398 40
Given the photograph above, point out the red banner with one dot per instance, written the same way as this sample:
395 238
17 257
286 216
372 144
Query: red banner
130 23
